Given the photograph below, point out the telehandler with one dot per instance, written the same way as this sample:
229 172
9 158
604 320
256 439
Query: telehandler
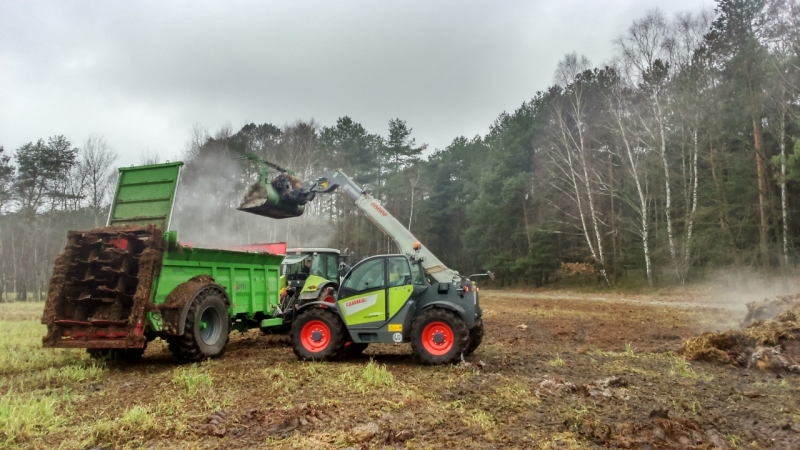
407 297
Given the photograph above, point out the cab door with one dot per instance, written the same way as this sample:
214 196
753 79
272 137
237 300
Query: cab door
362 296
401 283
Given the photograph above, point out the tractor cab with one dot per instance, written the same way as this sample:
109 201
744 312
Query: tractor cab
302 264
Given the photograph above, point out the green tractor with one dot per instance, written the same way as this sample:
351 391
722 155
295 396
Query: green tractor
309 274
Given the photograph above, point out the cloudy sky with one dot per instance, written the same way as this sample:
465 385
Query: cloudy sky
144 73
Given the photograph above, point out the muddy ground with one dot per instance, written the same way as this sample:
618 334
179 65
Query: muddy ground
556 370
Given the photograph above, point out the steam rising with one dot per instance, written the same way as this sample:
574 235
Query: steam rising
736 288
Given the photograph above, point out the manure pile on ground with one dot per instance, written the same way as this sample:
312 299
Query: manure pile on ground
769 338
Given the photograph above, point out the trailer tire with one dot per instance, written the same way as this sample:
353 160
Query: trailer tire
475 337
207 328
317 335
439 336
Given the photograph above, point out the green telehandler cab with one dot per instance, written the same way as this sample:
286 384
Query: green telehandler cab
407 297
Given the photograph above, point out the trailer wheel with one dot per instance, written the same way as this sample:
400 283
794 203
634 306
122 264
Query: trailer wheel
317 335
439 336
475 337
207 328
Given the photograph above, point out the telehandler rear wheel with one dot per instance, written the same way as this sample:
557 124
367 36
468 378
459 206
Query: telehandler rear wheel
439 336
207 327
475 337
317 334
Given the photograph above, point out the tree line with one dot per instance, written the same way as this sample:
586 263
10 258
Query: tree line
677 158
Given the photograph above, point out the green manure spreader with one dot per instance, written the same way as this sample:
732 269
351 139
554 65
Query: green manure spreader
114 289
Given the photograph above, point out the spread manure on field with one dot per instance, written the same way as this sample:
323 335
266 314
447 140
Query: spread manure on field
769 338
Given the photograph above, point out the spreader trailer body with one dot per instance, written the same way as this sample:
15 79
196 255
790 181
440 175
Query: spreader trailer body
407 297
115 288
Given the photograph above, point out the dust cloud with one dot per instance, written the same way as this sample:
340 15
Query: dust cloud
735 288
205 215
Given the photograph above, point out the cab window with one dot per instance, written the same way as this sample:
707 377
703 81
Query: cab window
318 265
333 268
367 276
399 272
418 274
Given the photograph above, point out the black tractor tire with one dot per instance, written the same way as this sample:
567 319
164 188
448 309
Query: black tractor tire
207 328
450 327
127 355
318 334
475 337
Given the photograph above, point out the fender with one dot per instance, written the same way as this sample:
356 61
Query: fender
448 305
308 295
320 304
175 323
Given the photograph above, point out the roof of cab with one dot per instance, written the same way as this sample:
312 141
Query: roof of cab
290 251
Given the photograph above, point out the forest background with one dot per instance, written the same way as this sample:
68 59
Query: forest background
677 160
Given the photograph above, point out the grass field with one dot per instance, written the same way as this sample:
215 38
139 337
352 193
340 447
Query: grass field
552 373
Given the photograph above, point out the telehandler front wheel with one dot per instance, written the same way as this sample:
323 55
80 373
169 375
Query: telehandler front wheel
318 335
206 330
439 336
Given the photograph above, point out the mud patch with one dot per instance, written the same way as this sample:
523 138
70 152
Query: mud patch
261 423
771 344
661 431
173 305
183 293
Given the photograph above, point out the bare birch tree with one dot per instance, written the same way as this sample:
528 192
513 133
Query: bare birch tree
571 155
645 52
95 165
620 109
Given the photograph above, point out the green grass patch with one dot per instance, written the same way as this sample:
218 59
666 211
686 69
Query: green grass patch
681 368
21 349
485 421
373 376
26 416
136 423
191 378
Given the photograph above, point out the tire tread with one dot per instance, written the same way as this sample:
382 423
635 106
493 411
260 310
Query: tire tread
459 329
185 347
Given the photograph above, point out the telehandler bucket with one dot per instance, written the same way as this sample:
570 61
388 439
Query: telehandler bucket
263 199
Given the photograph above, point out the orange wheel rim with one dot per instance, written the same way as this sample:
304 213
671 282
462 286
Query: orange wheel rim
315 336
437 338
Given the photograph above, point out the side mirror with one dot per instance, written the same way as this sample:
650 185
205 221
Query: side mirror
487 274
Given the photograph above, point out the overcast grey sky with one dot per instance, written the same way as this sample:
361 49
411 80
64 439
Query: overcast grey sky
143 73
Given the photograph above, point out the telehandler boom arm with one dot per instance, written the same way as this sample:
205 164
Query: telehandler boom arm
272 200
406 242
